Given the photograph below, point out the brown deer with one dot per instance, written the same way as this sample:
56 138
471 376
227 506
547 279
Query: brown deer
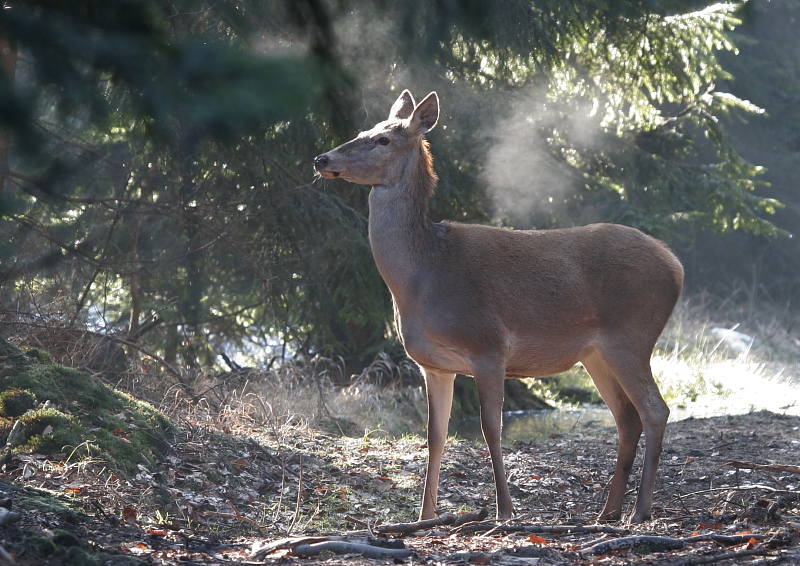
495 303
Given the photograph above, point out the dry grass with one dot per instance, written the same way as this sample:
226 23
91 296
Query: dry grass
302 394
717 358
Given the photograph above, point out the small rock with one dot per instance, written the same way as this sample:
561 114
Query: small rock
8 517
17 435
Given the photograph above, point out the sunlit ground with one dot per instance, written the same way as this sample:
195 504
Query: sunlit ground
745 360
726 387
698 387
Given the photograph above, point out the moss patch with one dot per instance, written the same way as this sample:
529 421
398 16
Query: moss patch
44 501
67 411
15 402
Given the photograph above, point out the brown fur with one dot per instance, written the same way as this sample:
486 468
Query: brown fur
495 303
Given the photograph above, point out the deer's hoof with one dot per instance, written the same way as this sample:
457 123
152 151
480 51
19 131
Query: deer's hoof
640 517
609 517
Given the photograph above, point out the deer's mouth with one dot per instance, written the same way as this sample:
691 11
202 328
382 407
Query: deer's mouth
322 165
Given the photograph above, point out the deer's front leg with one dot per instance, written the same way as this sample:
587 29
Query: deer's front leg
490 380
439 386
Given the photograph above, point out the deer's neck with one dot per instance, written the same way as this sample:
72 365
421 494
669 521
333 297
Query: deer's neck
402 238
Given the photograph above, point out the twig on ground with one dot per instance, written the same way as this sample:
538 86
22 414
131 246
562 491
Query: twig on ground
542 529
764 467
299 496
359 522
748 487
697 560
236 515
656 543
405 528
262 548
443 519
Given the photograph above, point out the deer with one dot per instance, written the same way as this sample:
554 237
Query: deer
495 303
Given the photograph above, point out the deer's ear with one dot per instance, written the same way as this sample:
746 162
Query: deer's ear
425 115
403 107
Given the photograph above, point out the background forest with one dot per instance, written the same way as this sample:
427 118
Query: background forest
157 187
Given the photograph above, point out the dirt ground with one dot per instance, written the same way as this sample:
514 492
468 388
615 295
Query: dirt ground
227 497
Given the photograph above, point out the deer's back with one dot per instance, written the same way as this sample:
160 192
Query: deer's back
590 265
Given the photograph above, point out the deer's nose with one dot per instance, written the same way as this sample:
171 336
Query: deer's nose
321 161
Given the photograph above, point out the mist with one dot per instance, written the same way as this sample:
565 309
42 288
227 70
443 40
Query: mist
528 182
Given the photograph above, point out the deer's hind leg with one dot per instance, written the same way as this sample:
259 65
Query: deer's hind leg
641 408
629 429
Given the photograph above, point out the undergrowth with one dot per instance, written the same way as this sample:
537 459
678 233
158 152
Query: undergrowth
700 368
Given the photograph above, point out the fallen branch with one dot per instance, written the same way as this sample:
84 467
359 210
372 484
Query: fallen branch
471 517
697 560
647 543
542 529
344 547
310 546
443 519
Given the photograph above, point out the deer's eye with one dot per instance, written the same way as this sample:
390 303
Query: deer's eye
383 140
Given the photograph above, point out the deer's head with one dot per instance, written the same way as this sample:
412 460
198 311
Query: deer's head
380 156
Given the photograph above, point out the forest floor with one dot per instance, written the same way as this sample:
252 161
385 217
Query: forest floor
254 496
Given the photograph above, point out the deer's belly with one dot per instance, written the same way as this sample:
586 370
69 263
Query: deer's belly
544 355
521 356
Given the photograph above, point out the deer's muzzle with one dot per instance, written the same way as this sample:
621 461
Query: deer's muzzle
321 163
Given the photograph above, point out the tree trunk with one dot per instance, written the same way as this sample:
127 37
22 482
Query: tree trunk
8 66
